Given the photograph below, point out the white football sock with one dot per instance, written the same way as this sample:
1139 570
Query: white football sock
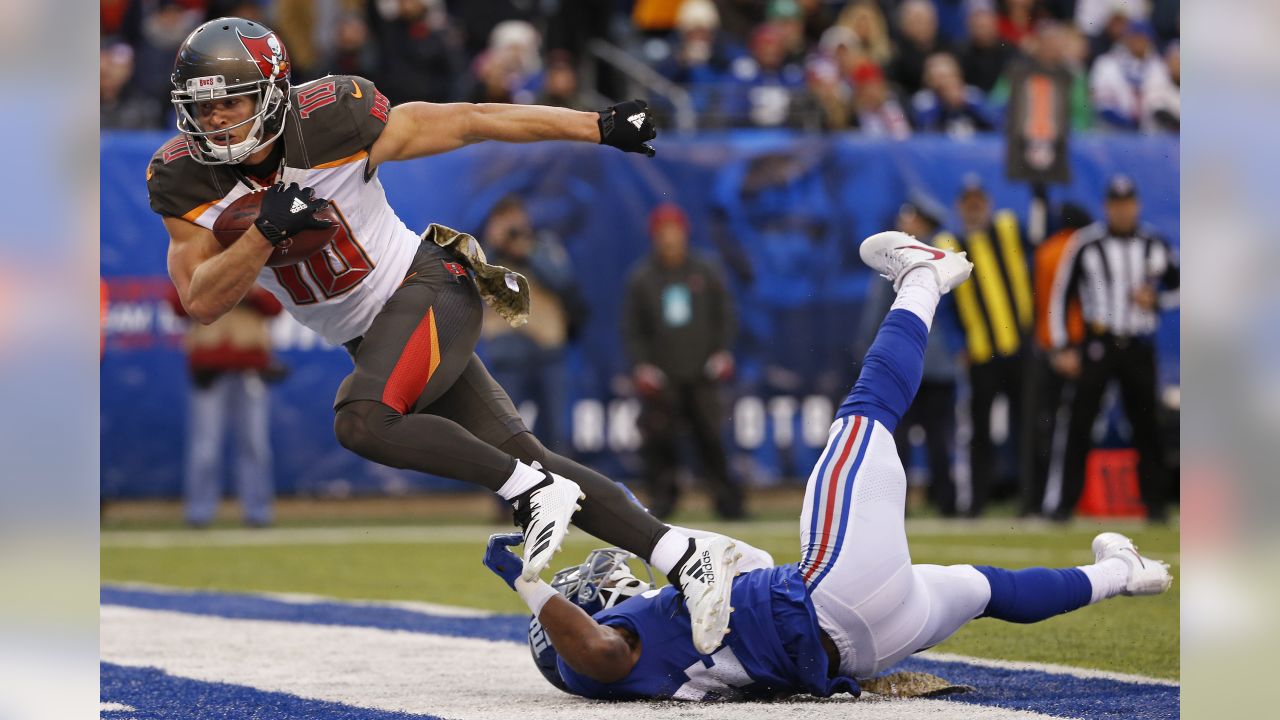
1107 578
670 548
918 293
522 478
752 558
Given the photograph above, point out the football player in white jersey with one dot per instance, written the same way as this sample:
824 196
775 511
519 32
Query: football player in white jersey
407 309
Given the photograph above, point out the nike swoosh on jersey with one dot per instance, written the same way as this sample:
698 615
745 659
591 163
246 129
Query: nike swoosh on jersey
356 90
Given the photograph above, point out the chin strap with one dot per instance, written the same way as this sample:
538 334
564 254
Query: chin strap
236 152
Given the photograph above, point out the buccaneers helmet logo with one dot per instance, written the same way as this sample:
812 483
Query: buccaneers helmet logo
268 53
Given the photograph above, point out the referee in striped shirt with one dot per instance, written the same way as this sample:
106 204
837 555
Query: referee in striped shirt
1124 276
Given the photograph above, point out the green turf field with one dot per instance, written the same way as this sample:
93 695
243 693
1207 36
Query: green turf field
442 564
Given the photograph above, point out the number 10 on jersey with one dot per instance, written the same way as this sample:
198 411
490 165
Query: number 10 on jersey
338 267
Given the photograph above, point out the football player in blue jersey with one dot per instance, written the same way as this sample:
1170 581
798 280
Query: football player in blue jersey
855 604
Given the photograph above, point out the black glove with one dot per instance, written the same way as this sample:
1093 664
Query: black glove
627 126
287 211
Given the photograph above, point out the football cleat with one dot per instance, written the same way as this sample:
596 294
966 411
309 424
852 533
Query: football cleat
893 254
1146 576
705 578
544 512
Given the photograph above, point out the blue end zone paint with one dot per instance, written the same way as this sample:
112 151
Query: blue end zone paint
1053 694
249 607
1032 690
156 695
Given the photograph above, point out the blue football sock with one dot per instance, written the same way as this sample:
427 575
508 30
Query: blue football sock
1034 594
891 371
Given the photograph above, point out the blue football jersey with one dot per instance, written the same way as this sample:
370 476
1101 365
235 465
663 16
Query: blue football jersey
773 648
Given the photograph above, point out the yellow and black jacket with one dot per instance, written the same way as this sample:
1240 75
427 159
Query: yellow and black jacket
995 307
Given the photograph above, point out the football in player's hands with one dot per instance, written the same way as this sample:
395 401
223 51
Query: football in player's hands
244 211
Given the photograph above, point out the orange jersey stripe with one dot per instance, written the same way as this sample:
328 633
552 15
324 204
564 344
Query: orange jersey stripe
198 210
354 157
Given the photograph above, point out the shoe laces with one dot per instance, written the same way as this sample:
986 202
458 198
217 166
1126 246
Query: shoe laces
898 262
521 509
522 515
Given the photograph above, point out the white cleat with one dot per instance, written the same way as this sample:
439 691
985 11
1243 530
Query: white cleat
893 254
1146 576
705 578
544 513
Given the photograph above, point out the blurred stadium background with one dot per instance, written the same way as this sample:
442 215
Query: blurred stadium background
790 129
777 178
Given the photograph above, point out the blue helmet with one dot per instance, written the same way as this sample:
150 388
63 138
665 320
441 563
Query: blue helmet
601 582
544 656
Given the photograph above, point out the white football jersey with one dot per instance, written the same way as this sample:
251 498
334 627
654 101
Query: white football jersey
332 123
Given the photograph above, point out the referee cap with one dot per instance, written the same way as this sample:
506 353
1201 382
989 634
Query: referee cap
1121 187
972 183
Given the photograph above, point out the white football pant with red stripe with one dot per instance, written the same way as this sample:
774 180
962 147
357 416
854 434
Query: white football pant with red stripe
875 605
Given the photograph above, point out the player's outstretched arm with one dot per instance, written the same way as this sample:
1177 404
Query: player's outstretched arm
602 653
597 651
419 129
211 281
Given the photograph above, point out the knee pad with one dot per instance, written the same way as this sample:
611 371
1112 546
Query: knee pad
348 426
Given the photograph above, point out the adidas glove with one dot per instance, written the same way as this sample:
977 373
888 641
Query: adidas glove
628 126
287 211
499 558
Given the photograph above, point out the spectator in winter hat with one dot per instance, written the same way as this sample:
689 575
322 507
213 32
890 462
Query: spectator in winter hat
877 111
701 52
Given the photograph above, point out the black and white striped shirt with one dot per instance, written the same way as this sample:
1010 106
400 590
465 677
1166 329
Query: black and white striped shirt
1105 270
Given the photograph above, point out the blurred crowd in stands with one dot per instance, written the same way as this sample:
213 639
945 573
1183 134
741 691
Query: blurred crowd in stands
886 68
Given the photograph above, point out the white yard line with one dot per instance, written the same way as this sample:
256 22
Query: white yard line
296 536
457 678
